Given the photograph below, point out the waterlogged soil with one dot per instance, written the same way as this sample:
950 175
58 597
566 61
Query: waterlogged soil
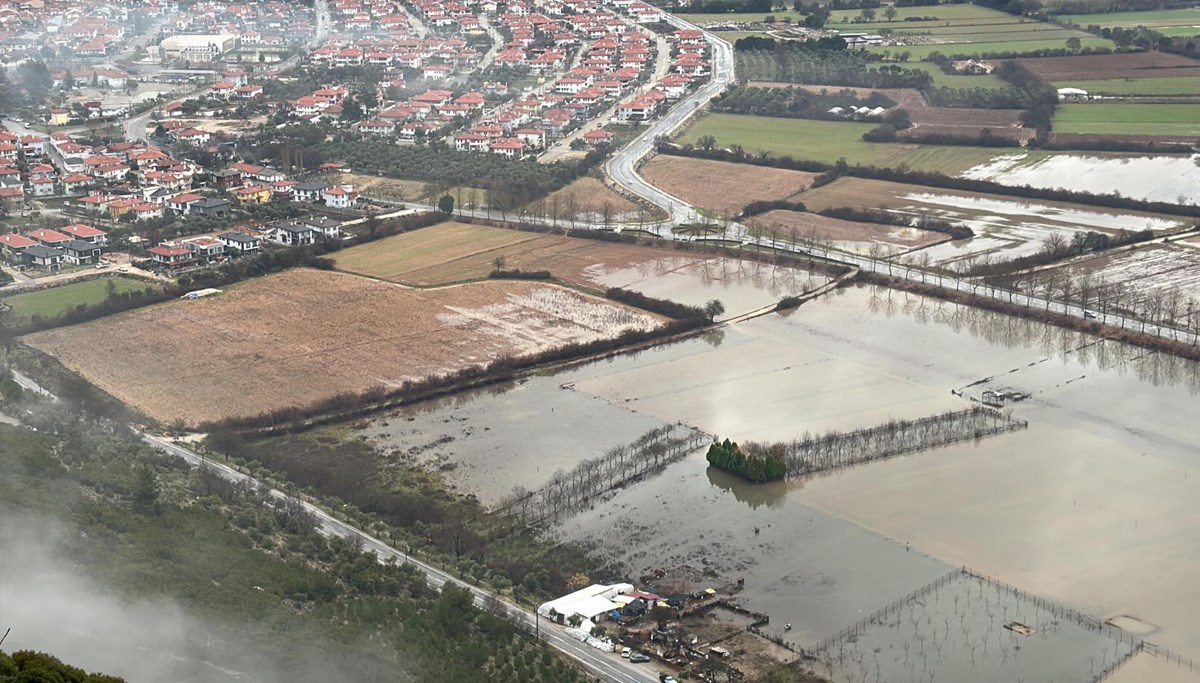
486 442
1153 178
740 285
1076 508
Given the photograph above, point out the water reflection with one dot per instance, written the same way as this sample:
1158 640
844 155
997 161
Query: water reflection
1156 367
770 494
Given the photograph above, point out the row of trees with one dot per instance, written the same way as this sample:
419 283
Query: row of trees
569 492
758 467
834 449
814 64
795 102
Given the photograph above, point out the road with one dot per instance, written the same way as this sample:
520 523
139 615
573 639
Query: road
606 666
622 167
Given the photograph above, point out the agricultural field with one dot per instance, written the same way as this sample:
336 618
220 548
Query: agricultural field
1176 120
1185 85
588 197
1157 271
727 18
301 336
453 252
1139 65
1174 23
723 187
942 79
852 236
1139 176
457 252
960 30
1005 227
54 301
828 141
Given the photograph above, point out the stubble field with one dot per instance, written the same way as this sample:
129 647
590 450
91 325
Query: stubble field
304 335
720 186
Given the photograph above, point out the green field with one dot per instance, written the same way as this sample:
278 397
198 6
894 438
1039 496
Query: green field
1174 22
981 47
1186 85
945 80
829 141
1141 119
52 302
746 17
961 13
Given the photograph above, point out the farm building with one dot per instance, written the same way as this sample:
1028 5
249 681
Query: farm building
1072 94
588 603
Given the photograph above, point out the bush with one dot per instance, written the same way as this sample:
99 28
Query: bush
727 456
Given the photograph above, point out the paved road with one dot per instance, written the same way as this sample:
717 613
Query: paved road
622 167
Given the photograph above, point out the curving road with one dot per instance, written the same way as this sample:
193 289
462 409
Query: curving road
622 167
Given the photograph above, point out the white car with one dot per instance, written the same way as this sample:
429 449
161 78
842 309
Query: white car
123 269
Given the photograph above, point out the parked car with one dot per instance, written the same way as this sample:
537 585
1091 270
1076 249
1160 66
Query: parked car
638 658
625 652
666 678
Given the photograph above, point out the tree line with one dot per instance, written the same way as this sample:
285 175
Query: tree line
568 492
794 102
808 62
956 231
928 178
835 449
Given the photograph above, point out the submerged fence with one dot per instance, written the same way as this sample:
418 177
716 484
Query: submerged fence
833 450
569 492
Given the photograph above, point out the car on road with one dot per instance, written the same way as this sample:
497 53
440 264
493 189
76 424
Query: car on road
666 678
123 269
1090 314
638 658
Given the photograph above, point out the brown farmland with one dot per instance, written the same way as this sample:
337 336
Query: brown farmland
809 226
304 335
721 186
1124 65
454 252
585 196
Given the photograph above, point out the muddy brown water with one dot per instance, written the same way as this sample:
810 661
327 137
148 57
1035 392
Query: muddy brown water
1092 506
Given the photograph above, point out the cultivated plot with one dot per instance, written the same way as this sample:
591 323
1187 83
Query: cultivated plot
301 336
1170 179
1005 227
722 187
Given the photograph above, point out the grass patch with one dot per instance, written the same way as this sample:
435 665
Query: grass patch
945 80
1185 85
1185 19
1124 119
977 48
53 302
829 141
743 17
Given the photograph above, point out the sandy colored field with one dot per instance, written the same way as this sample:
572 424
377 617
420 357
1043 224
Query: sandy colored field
587 196
1125 65
721 186
454 252
849 234
411 190
304 335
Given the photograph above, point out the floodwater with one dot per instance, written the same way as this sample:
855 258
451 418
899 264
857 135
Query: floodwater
1097 492
486 442
1093 506
1008 229
1153 178
741 285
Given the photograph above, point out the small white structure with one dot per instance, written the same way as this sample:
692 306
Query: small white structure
1076 94
588 603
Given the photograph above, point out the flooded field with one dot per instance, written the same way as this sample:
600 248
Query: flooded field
1160 178
741 285
1161 277
963 628
1008 229
1097 495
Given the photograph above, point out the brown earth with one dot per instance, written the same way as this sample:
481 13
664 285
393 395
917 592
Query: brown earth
585 196
301 336
720 186
809 226
1125 65
455 252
